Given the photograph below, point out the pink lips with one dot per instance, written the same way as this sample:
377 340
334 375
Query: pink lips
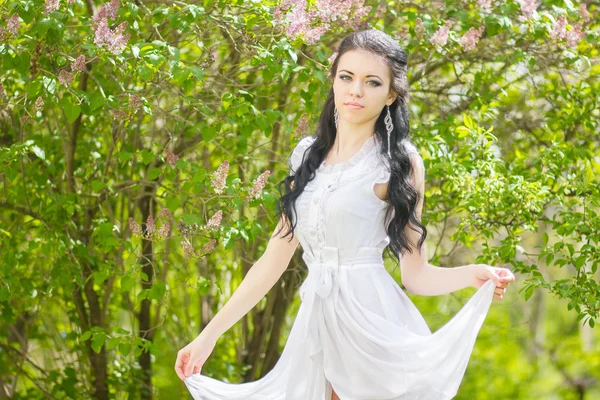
354 106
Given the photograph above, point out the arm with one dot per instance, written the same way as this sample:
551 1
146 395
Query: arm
258 281
418 276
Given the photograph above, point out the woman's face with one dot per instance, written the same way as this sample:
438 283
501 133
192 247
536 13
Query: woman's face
364 79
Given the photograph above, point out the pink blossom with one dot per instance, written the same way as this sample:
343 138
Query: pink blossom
419 28
575 35
302 129
13 24
165 214
585 15
188 250
135 102
219 177
39 104
2 33
2 91
381 9
215 221
311 22
150 225
64 77
25 119
559 30
51 5
440 37
171 158
484 4
78 64
258 185
70 1
470 39
208 247
527 7
134 227
164 230
115 40
118 114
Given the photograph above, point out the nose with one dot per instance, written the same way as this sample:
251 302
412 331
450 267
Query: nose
356 90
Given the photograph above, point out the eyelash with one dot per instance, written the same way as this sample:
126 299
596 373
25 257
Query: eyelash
348 76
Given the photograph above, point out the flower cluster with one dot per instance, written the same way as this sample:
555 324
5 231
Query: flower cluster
115 40
2 91
39 104
64 77
470 39
78 64
215 221
171 158
559 31
51 5
189 250
440 37
258 185
310 24
151 232
420 30
13 24
302 129
135 102
219 177
527 7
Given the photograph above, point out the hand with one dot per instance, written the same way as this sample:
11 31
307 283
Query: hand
502 277
191 358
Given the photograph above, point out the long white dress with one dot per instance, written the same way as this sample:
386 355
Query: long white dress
356 330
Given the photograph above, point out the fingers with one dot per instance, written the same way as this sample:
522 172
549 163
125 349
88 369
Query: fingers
189 368
180 364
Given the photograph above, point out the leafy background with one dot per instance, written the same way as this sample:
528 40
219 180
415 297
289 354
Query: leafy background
138 183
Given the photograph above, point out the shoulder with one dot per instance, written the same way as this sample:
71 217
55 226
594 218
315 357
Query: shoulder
298 153
418 167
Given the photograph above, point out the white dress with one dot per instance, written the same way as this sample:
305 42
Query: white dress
356 330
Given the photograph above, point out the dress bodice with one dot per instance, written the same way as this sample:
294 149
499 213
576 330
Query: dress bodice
339 207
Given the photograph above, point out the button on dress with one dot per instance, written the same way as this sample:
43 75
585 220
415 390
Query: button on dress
356 330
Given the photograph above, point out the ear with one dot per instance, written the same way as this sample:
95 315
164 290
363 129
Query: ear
391 98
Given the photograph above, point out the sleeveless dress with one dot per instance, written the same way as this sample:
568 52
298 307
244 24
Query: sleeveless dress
356 330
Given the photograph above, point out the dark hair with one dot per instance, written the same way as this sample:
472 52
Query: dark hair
403 197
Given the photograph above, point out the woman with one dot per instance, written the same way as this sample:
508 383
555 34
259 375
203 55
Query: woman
354 189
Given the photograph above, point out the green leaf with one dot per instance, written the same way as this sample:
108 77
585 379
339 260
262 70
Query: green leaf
98 341
157 291
153 173
86 335
113 343
127 283
147 156
124 348
97 186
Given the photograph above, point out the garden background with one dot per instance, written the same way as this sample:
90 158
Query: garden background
141 147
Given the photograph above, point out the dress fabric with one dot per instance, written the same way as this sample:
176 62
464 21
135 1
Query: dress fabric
356 330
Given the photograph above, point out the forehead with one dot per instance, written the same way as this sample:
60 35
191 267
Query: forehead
363 63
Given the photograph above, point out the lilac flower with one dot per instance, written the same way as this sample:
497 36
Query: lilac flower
470 39
39 104
135 102
440 37
419 28
219 177
2 91
51 5
208 247
134 227
484 4
188 250
118 114
13 24
78 64
575 35
171 158
150 225
165 214
527 7
258 185
215 221
115 40
302 129
64 77
164 230
2 34
559 30
585 15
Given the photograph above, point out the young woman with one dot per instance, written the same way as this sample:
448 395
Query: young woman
354 189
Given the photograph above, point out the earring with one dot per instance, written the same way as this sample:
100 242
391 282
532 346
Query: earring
336 116
389 126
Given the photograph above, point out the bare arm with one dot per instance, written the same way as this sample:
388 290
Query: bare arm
418 276
258 281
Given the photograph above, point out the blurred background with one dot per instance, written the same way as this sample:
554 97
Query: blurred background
141 147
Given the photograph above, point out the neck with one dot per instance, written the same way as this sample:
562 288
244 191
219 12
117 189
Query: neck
349 135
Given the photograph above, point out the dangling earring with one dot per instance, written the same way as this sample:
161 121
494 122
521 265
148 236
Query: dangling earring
389 126
336 116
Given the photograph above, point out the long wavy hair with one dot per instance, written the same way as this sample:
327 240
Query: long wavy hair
403 197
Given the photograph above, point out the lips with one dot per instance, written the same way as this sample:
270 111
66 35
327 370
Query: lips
354 105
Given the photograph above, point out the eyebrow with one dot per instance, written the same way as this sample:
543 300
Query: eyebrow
368 76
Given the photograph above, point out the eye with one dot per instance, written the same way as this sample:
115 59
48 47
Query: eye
374 83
